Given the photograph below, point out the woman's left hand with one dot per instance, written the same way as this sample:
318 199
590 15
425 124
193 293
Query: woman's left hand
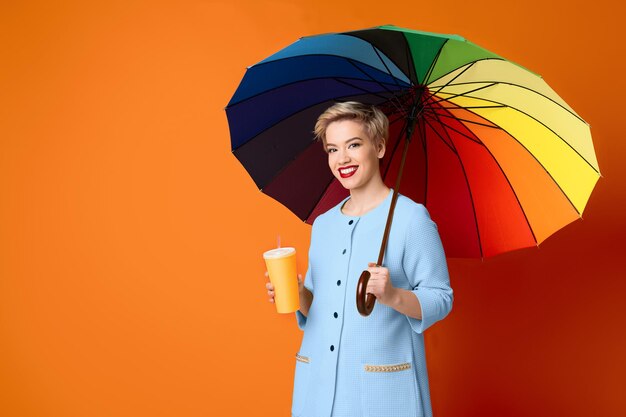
379 284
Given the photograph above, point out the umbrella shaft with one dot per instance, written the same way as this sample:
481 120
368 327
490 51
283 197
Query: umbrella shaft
395 191
411 120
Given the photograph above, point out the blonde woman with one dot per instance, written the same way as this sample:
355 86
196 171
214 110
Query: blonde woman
350 365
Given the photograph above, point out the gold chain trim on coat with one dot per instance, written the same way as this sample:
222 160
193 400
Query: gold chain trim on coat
387 368
302 358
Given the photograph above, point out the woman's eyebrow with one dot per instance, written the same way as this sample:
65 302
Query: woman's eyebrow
348 141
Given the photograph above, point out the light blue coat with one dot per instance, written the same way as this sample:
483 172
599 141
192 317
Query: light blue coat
375 366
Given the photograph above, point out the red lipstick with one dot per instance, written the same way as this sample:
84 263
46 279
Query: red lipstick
351 170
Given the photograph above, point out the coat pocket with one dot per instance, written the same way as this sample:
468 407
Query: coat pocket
300 383
389 390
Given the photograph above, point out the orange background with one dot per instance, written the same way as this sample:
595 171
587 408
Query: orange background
131 276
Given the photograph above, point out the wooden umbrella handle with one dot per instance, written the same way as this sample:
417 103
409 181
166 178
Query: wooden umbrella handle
364 301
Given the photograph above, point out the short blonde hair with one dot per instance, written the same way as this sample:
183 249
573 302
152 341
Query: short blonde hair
373 119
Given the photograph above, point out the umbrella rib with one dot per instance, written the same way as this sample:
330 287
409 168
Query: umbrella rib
453 78
409 60
469 190
440 99
505 176
397 106
400 118
469 64
440 137
352 62
339 80
394 120
515 194
457 106
473 139
525 88
385 65
433 63
499 104
423 138
478 107
429 111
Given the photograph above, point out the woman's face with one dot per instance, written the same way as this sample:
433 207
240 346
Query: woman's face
352 154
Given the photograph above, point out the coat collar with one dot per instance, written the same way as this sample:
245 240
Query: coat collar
383 206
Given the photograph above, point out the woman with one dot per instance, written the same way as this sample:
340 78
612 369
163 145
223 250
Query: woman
350 365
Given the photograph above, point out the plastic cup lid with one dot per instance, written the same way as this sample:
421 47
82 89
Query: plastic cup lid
278 253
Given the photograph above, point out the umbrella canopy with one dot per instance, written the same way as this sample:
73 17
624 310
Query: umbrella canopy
498 158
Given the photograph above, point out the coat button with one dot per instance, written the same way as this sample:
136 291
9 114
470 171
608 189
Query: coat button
338 282
344 252
336 315
351 221
332 347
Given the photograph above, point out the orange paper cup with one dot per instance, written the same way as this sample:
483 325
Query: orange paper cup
281 266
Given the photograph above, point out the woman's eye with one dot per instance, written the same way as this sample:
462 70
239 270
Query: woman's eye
330 150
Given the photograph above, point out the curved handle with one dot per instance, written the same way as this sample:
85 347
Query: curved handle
364 301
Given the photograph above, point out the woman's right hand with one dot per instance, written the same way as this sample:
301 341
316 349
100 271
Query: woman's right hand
270 287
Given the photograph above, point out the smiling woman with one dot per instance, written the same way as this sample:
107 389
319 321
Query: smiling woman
350 365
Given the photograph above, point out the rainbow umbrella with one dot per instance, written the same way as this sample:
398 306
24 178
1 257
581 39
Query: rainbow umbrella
498 158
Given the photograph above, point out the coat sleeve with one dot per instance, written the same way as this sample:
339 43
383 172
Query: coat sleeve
424 263
308 282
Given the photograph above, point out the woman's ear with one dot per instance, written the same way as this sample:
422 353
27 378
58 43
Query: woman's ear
380 148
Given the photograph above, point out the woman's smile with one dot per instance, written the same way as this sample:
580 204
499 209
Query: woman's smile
348 171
